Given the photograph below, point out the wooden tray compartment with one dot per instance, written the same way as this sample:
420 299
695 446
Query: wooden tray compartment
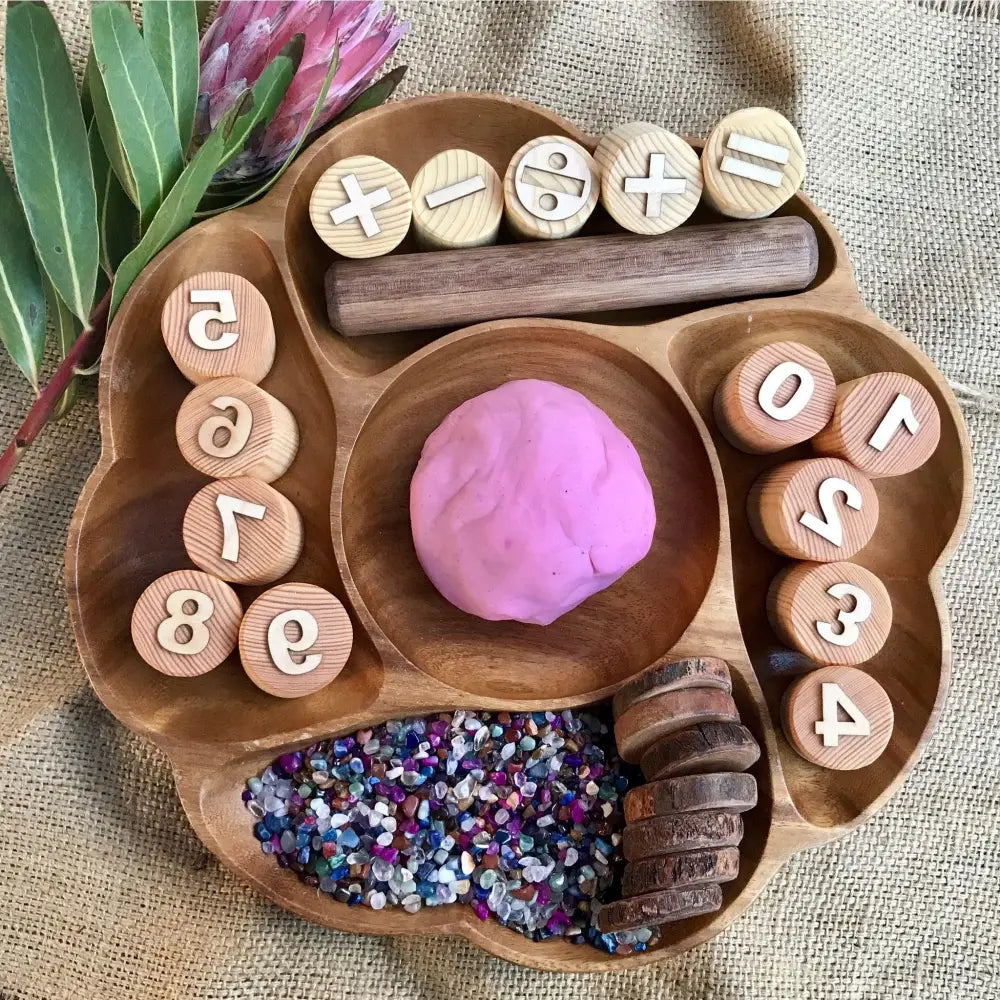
366 405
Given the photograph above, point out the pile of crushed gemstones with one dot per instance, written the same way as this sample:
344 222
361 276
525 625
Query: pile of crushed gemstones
516 815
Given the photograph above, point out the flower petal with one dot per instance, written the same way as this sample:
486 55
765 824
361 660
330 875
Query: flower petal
222 100
248 54
213 70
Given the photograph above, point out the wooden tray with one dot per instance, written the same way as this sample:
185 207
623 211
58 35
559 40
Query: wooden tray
365 406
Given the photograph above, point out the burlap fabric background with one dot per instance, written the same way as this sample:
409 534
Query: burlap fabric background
105 891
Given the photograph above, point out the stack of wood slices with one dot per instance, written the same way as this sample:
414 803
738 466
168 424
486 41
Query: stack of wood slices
683 828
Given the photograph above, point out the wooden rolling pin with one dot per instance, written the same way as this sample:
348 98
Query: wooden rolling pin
448 288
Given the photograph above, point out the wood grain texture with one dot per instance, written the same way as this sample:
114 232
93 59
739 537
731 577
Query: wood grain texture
744 422
681 832
741 197
674 675
568 176
333 643
701 749
221 620
417 291
659 908
647 153
469 220
802 708
782 496
677 871
724 791
268 546
252 353
862 404
269 445
653 718
363 182
799 600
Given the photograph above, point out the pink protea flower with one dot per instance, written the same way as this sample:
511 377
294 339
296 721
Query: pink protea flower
245 36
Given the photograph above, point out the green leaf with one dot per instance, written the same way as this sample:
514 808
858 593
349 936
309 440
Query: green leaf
378 93
170 28
94 86
117 219
22 301
177 210
266 95
139 105
68 328
48 142
275 177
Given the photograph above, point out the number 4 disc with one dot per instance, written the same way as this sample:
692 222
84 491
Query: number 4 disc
838 717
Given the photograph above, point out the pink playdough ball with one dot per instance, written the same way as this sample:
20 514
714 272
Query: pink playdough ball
527 500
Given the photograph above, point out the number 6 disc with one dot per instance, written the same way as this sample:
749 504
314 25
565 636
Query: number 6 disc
295 639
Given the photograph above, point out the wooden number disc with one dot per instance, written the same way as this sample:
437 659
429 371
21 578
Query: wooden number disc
656 908
650 178
818 509
295 639
675 871
361 207
702 749
832 612
681 832
457 201
693 672
778 396
753 162
186 623
242 530
886 424
217 324
231 427
652 718
551 188
726 791
837 717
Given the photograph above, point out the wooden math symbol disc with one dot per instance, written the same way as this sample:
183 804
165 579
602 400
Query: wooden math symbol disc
817 509
701 749
650 178
457 201
662 907
777 396
295 639
230 427
551 188
753 162
690 672
835 612
216 324
886 424
837 717
361 207
242 530
186 623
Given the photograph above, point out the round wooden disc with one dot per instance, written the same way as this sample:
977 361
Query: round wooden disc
550 192
249 354
657 908
850 628
268 546
262 428
218 611
675 871
742 197
712 746
639 155
379 198
802 709
681 832
742 395
692 672
652 718
868 426
334 639
782 497
726 791
457 201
